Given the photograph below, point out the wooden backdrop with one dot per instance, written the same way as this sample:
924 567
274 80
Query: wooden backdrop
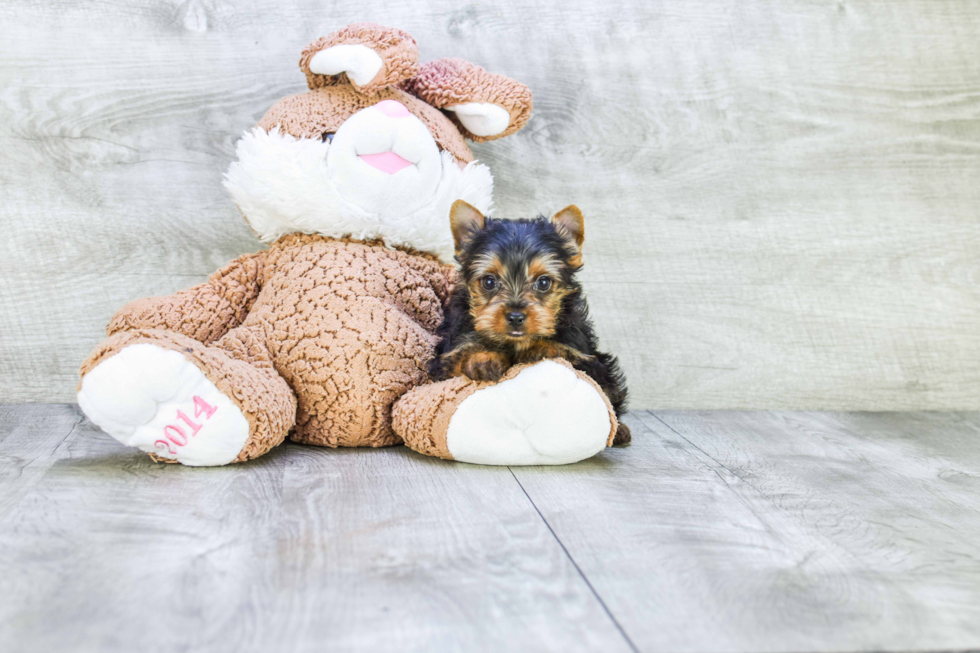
782 196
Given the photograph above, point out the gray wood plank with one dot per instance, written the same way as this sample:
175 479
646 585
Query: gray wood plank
753 532
781 197
112 552
30 436
897 494
389 550
304 549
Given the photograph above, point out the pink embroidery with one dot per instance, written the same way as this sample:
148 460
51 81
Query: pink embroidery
176 435
194 426
163 444
201 406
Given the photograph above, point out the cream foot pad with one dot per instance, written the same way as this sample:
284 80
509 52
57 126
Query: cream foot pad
158 401
542 414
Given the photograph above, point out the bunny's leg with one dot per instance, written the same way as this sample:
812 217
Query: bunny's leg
182 401
546 413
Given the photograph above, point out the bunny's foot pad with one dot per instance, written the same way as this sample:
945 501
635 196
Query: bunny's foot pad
154 399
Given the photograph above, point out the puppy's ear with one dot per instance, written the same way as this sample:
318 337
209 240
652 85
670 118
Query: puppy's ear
464 219
570 223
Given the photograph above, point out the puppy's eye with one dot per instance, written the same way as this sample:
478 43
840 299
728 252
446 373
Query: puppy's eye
543 284
327 137
489 282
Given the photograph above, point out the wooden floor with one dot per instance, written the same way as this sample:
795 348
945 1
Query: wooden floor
714 531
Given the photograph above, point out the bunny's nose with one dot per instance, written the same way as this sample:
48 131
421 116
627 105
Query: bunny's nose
392 109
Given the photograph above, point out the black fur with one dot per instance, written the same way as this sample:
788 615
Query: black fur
515 241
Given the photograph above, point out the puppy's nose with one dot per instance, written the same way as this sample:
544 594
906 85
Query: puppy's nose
515 319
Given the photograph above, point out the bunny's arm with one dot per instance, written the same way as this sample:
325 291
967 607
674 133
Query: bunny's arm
204 312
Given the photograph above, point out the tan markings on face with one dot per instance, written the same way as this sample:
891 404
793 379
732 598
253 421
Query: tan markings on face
543 266
543 308
516 291
487 308
540 320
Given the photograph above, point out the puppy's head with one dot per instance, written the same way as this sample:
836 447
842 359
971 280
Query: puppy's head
517 272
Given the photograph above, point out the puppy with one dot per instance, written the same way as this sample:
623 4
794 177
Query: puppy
517 301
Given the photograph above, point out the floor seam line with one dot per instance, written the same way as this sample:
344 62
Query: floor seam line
708 455
769 499
738 496
605 608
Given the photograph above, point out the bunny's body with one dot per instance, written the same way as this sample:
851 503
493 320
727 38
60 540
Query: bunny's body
318 336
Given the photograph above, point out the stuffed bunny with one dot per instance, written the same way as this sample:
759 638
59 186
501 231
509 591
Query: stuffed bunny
320 335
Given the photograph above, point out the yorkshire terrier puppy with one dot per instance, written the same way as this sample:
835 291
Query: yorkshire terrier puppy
517 301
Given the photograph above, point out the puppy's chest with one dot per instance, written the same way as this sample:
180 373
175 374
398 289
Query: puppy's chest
542 349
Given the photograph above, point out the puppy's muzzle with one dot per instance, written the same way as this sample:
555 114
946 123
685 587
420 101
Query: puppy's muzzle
515 322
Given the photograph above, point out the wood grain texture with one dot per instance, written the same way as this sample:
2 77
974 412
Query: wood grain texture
305 549
712 532
397 552
781 197
779 531
30 436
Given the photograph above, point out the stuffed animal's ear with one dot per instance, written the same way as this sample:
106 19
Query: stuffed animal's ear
483 105
368 56
571 223
464 220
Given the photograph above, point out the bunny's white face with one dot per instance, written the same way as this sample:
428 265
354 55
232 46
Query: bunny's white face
381 175
370 151
384 160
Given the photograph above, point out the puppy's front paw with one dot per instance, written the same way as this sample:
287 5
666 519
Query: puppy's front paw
485 366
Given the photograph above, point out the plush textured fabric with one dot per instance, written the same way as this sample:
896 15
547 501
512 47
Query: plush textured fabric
239 365
325 109
353 325
283 185
421 417
398 51
447 82
345 326
205 312
317 337
424 417
155 399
